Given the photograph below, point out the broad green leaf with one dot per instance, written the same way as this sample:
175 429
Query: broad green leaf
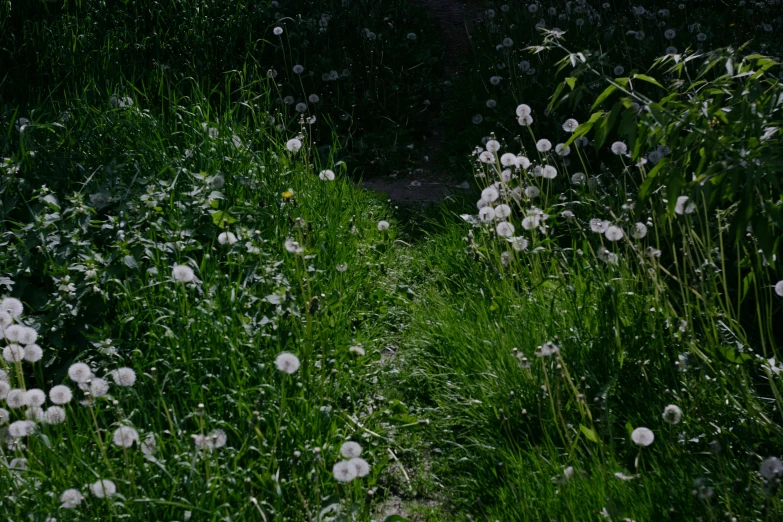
589 433
646 189
222 218
571 82
649 79
604 95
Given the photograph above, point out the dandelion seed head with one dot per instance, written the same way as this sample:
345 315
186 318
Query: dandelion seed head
543 145
4 389
493 146
12 307
326 175
227 238
383 225
518 243
502 211
344 471
97 387
16 398
639 230
293 145
477 118
13 333
486 157
5 320
182 274
614 233
562 150
549 172
532 191
672 414
54 415
21 428
508 160
505 229
361 466
570 125
618 148
578 178
60 394
27 335
71 498
35 397
277 31
298 69
599 226
357 350
287 363
771 468
490 194
523 109
350 449
13 353
293 247
642 436
486 214
4 416
124 376
684 206
669 34
103 488
125 436
33 353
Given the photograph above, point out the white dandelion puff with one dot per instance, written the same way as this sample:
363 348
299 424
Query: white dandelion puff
486 157
13 333
505 229
779 288
508 160
599 226
518 243
97 387
361 466
614 233
383 225
344 471
227 238
60 394
350 449
124 376
287 363
642 436
71 498
54 415
16 398
618 148
12 307
357 350
490 194
669 34
525 120
523 162
125 436
563 150
326 175
570 125
493 145
293 145
578 178
532 191
639 230
549 172
277 31
21 428
4 389
293 247
298 69
27 335
502 211
4 416
35 397
182 274
543 145
486 214
684 205
523 110
33 353
771 468
13 353
103 488
672 414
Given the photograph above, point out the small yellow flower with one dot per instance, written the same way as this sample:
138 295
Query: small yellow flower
287 194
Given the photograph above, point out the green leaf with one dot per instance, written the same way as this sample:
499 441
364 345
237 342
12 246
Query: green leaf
222 218
585 127
646 189
733 356
571 82
603 129
604 95
649 79
589 433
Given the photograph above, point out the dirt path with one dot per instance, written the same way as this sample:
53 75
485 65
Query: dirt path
433 182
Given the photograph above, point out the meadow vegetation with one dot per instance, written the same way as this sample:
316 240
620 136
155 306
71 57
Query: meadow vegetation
204 319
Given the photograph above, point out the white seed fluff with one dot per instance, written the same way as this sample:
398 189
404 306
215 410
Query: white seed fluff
350 449
182 274
642 436
12 307
672 414
287 362
103 488
13 353
344 471
60 394
326 175
383 225
35 397
618 147
54 415
227 238
361 466
16 398
124 376
543 145
33 353
125 436
293 145
71 498
614 233
21 428
779 288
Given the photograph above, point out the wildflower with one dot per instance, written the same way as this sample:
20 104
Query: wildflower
344 471
341 268
505 229
293 247
34 413
544 145
653 252
13 353
684 206
33 353
125 436
493 145
578 178
549 172
383 225
148 446
491 104
314 98
4 416
518 243
599 226
672 414
5 320
486 214
287 362
570 125
618 147
4 389
300 107
523 110
124 376
490 194
27 335
614 233
326 175
642 436
561 149
54 415
412 37
103 488
495 80
619 70
361 466
701 37
508 42
21 428
508 160
532 191
771 468
779 288
277 31
502 211
298 69
477 118
525 120
547 349
34 397
12 307
358 350
670 51
532 8
182 274
606 256
639 230
486 157
70 498
669 34
16 398
524 66
227 237
293 145
13 333
60 394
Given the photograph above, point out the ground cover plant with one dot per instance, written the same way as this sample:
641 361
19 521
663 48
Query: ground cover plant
204 319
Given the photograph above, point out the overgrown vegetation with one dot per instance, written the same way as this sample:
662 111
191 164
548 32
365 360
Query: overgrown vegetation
204 318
